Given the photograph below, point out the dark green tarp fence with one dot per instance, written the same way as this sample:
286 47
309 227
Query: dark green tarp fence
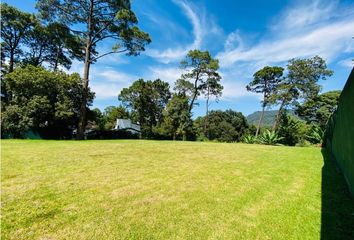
339 137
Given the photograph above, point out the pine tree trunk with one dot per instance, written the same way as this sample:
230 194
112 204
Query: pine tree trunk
206 124
192 102
263 107
56 61
275 124
11 61
85 80
260 120
195 92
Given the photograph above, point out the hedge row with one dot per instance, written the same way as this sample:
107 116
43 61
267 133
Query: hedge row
339 138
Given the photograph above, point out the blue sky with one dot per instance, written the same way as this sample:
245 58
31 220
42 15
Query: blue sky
244 35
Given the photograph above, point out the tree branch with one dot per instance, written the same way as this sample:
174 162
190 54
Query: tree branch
76 31
115 36
108 53
71 13
101 30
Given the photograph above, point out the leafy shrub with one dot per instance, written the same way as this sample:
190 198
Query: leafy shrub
111 134
292 130
269 138
315 135
223 126
303 143
249 139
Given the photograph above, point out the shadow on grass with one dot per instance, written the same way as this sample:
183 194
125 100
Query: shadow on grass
337 219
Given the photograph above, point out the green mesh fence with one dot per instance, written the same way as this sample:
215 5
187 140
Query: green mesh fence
339 138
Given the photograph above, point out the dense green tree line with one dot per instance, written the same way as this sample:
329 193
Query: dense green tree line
300 84
168 115
63 30
224 126
38 96
43 101
100 20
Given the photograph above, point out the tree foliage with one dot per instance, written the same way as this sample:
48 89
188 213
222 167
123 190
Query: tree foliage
266 81
177 118
43 101
225 126
146 100
53 44
102 19
291 129
202 76
301 82
107 119
95 21
14 26
318 109
315 134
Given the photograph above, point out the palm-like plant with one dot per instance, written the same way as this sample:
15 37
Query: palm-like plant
315 135
269 138
249 139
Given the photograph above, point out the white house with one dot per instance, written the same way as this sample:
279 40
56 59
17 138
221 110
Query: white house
126 124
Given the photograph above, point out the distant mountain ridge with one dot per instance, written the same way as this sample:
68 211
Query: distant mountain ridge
268 118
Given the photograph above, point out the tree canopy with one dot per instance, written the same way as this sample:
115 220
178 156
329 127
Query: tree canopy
177 118
318 109
301 82
53 44
201 77
225 126
43 101
14 26
146 100
266 81
95 21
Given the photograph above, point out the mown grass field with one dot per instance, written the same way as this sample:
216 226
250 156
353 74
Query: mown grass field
163 190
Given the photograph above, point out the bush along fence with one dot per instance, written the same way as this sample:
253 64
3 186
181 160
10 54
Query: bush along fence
339 135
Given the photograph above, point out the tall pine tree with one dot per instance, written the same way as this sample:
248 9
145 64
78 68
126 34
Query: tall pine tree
96 21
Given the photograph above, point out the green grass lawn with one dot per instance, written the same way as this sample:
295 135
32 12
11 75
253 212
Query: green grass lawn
167 190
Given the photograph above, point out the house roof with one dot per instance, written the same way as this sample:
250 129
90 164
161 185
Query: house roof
126 124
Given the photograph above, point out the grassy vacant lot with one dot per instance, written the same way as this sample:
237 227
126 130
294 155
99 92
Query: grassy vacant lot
169 190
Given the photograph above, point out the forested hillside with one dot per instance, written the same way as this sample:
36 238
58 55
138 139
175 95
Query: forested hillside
268 118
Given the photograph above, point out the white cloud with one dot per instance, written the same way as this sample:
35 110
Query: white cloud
234 89
233 41
76 67
327 39
113 59
349 63
201 25
111 75
303 31
196 23
106 82
317 28
304 14
104 90
168 74
160 21
235 85
177 53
